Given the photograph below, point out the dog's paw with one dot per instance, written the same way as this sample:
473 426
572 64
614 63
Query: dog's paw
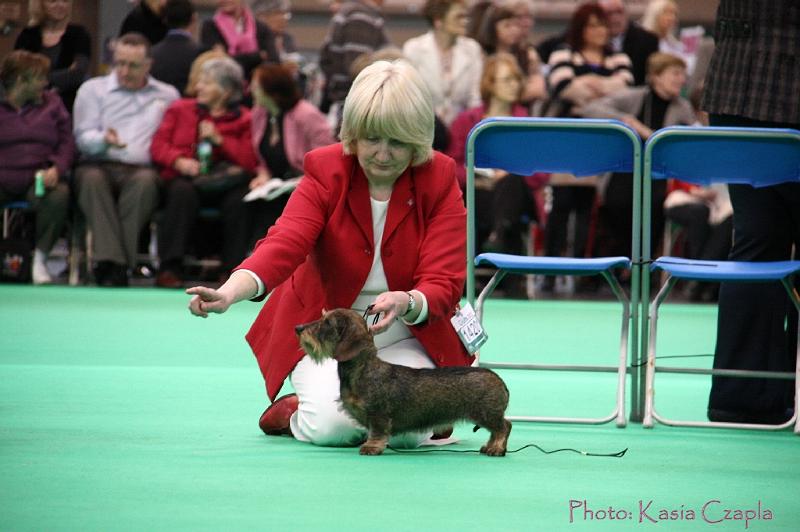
370 450
493 450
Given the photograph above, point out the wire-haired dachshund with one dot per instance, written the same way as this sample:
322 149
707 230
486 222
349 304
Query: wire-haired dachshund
390 399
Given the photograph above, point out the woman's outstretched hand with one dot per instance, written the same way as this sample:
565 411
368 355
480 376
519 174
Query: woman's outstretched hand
207 300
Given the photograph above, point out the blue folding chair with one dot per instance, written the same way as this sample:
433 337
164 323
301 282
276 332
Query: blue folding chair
758 157
580 147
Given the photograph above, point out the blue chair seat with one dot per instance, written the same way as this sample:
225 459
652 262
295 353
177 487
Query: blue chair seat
551 265
710 270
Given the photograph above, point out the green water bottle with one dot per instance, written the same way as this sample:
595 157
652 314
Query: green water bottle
204 149
38 188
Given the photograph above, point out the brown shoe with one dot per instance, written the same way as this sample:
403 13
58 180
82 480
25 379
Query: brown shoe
275 419
169 279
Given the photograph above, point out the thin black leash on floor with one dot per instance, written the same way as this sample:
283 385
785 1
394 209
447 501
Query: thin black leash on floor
618 454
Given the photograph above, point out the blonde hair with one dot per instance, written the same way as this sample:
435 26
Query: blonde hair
36 12
653 11
197 69
389 100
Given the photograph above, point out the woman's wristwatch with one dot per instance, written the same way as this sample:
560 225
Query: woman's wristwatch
412 304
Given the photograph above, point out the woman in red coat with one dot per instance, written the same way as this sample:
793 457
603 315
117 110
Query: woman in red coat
377 219
214 120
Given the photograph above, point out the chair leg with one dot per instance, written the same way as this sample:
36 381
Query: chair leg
649 402
622 371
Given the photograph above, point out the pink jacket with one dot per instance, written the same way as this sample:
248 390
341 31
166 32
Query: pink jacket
304 128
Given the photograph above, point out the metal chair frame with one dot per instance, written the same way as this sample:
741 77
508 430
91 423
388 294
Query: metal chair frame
588 135
736 143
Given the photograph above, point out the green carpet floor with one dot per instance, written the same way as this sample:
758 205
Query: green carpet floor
119 411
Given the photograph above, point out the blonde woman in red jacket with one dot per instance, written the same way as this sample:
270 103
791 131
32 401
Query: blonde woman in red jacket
377 219
214 119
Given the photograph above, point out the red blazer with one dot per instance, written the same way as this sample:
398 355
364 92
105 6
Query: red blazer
177 136
320 251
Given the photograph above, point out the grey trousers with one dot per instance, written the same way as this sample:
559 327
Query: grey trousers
117 200
51 212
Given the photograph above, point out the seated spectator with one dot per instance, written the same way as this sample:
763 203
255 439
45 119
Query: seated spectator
629 38
215 119
275 14
285 128
197 68
450 62
146 18
35 137
115 118
646 109
357 27
173 56
523 11
583 70
502 200
67 45
236 31
501 32
661 18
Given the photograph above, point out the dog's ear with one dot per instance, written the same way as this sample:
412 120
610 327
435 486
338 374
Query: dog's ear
354 337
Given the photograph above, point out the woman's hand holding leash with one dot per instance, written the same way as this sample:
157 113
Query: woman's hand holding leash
393 305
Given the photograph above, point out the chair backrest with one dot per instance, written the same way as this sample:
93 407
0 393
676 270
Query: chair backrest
703 155
527 145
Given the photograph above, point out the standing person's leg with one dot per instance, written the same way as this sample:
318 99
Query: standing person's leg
138 199
751 330
95 183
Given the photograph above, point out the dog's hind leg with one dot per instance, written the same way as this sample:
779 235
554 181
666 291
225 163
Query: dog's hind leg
498 440
379 432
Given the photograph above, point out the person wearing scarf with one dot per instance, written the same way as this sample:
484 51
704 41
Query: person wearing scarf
235 30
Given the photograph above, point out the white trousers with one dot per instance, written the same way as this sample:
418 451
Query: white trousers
320 419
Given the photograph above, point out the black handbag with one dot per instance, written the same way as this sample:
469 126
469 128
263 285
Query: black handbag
221 178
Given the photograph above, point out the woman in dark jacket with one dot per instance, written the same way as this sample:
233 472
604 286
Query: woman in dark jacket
67 45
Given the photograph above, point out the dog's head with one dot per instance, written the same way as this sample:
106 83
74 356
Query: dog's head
341 334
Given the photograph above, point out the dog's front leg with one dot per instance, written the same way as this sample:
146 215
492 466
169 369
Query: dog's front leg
379 431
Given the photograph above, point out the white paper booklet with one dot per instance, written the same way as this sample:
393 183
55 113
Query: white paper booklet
272 189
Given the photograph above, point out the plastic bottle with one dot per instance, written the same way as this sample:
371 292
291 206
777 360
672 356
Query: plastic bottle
204 149
39 184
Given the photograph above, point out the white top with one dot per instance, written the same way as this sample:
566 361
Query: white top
101 103
453 90
375 284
